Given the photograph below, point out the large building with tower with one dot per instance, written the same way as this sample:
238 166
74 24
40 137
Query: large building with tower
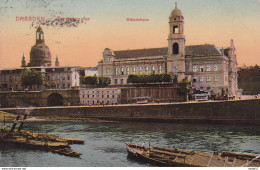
207 67
55 77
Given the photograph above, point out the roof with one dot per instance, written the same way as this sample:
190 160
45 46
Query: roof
141 53
200 50
176 12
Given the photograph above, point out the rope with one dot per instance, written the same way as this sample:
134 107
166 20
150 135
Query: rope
249 162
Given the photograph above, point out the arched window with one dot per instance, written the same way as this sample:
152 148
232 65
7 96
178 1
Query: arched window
146 70
127 70
134 70
140 69
160 69
175 48
122 70
153 70
116 71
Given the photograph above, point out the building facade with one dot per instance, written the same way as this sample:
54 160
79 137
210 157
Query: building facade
54 77
100 96
207 67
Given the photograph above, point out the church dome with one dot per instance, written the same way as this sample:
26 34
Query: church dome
176 12
40 55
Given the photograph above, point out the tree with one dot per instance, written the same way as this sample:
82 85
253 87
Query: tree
96 81
103 81
90 80
49 84
184 86
31 77
149 78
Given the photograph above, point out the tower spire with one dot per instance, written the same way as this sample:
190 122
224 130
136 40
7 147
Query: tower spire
175 4
23 61
57 61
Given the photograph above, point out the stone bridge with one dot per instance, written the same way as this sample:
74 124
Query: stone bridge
50 97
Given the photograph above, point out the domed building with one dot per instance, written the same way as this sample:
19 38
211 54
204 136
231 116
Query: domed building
40 54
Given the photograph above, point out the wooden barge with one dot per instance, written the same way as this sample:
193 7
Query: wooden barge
43 141
40 141
159 156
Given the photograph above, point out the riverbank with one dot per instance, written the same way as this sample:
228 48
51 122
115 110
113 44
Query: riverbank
239 112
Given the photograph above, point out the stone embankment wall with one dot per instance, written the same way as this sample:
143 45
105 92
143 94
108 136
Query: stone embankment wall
223 112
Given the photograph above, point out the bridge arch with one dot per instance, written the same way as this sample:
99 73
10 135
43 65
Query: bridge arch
55 99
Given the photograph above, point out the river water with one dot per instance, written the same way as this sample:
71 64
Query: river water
105 142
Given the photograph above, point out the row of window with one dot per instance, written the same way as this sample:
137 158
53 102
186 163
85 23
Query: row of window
89 102
121 81
201 68
59 77
98 92
135 70
208 79
97 96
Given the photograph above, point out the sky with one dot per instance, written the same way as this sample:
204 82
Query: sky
205 22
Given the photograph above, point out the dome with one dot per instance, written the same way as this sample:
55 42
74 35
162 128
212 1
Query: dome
108 51
40 55
176 12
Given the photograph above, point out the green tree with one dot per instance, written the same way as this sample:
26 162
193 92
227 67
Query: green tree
31 77
90 80
149 78
184 86
103 81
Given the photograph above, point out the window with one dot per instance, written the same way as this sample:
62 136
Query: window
175 69
215 67
108 71
160 69
115 81
134 70
116 71
153 70
122 71
107 96
194 79
216 78
226 78
122 81
68 85
140 69
175 29
68 77
208 88
201 68
175 48
127 70
208 79
208 68
201 79
194 68
146 70
58 77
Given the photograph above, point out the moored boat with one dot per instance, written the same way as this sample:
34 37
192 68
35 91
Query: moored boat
160 156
